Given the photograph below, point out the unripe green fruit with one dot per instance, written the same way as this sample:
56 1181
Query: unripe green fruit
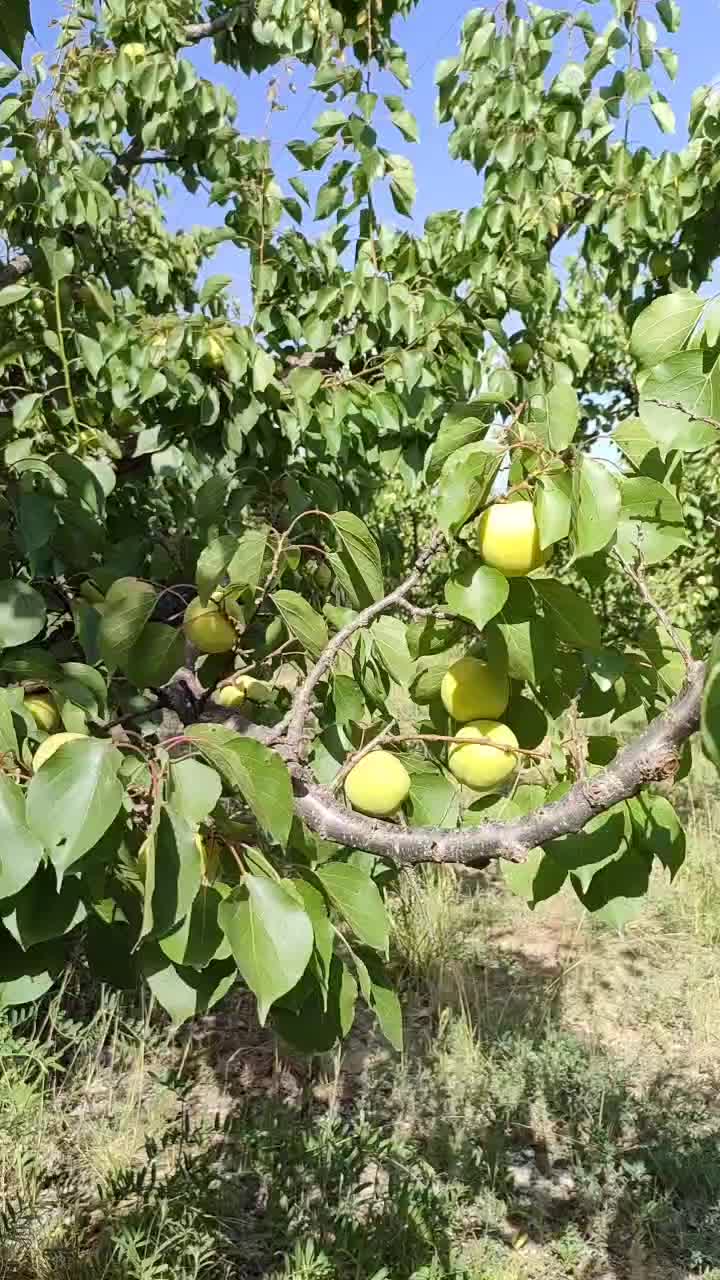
48 748
7 168
521 356
483 767
37 305
44 711
207 628
660 265
378 785
508 539
471 690
323 576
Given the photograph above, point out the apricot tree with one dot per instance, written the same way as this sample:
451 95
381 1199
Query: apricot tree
191 590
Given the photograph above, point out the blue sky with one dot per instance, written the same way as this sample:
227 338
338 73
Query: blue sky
431 33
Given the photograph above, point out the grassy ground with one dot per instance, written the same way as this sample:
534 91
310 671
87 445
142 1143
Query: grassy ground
555 1116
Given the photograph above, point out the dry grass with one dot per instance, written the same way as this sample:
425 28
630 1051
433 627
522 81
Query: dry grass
555 1116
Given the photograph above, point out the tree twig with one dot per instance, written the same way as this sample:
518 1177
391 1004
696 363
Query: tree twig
241 15
637 576
303 697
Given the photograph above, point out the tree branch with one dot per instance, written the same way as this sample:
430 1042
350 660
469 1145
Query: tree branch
653 757
241 15
303 697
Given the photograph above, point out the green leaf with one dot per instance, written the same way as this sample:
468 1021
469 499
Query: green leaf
173 871
434 800
271 937
316 908
403 188
665 326
263 369
128 606
553 507
596 508
586 853
8 736
246 565
255 771
305 383
42 911
360 556
20 850
652 521
556 415
389 637
678 392
181 991
358 900
465 484
156 656
27 975
711 706
657 830
669 12
462 426
212 564
194 790
380 996
15 24
572 617
348 700
404 121
477 593
13 293
519 640
538 878
664 115
73 799
324 1017
199 938
22 613
302 621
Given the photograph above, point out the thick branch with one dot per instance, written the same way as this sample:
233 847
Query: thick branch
303 698
653 757
241 15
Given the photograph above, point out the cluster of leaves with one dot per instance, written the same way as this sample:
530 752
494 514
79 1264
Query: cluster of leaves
154 447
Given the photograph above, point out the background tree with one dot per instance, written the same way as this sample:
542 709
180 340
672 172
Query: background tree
191 593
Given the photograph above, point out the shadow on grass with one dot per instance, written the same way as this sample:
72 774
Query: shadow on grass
498 1122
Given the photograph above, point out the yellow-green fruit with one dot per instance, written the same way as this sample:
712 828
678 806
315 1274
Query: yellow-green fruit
44 711
508 539
207 628
471 690
378 784
214 351
7 168
255 690
134 51
229 696
483 767
53 744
